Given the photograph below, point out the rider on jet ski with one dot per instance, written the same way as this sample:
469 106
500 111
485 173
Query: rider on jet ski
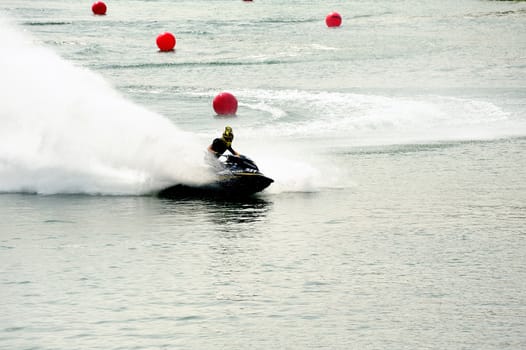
231 175
220 145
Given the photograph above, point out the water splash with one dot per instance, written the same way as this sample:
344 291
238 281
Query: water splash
64 129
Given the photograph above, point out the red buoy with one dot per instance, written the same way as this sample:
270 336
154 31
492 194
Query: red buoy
166 41
99 8
225 104
333 19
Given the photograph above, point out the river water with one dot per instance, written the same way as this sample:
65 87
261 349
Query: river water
396 142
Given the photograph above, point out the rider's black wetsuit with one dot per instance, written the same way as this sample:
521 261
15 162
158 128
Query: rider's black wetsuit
220 146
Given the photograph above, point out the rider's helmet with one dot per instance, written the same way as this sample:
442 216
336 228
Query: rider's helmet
228 135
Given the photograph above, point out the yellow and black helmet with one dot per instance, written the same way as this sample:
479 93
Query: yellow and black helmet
228 135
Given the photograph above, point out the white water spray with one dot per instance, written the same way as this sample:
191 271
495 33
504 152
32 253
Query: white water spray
66 130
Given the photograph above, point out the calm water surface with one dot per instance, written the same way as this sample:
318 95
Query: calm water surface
420 254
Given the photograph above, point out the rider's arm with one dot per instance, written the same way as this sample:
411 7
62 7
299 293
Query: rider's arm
211 150
232 151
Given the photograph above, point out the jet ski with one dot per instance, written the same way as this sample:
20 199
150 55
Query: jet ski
236 176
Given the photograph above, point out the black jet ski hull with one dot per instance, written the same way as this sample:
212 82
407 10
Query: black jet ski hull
232 185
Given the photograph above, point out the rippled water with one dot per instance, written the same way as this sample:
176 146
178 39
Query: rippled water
396 142
420 253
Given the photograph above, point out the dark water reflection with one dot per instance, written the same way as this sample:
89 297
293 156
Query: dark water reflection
222 211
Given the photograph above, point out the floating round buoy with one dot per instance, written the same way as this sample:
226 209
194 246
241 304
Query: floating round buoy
99 8
333 19
166 41
225 103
